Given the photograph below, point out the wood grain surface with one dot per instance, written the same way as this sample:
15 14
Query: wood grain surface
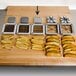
18 57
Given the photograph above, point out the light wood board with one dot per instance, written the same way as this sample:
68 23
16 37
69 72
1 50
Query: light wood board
19 57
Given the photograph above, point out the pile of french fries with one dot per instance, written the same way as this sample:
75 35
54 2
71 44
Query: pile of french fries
37 42
53 46
69 46
7 41
23 42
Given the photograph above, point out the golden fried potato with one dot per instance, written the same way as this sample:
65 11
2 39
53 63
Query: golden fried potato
53 37
53 47
53 54
7 41
23 42
69 55
37 42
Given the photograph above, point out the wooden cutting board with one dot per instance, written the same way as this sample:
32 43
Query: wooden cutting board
17 57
